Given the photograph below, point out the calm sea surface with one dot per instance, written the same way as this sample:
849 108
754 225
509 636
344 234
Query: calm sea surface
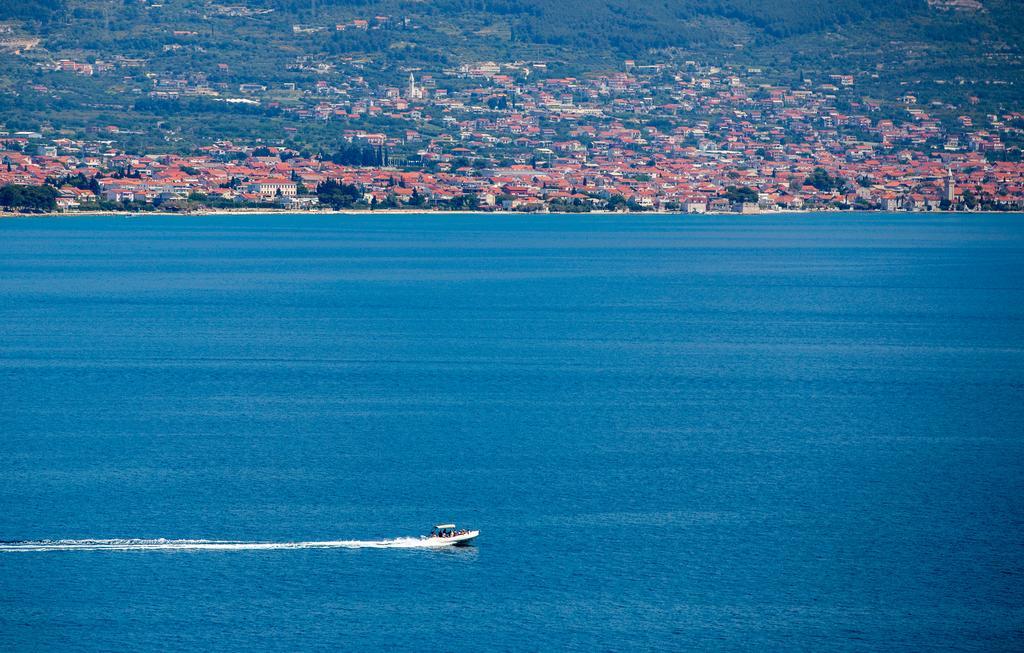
760 433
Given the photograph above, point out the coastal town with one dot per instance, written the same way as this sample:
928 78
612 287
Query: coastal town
679 136
510 326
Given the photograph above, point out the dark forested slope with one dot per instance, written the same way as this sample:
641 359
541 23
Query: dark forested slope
580 32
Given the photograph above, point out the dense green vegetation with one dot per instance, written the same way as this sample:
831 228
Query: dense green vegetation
740 194
28 198
578 32
42 11
630 25
354 155
823 181
337 195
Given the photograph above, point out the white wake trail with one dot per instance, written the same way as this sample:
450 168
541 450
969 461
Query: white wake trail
216 545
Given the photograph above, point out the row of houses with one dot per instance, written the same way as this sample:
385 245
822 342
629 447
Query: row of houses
275 175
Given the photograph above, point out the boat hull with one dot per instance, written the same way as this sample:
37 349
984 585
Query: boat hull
467 539
457 540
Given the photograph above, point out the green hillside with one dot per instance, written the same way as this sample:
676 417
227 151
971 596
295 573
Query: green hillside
953 54
582 32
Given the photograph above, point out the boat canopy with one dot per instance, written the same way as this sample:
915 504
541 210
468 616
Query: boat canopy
441 526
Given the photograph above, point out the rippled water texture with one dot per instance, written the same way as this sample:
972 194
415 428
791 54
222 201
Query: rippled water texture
755 433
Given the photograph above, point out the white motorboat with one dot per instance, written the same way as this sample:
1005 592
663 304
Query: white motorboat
448 534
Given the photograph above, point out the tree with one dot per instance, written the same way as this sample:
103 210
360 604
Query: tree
615 202
970 199
352 155
825 182
740 194
28 198
337 195
499 102
467 202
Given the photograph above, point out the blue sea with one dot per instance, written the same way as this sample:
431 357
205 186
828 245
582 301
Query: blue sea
673 432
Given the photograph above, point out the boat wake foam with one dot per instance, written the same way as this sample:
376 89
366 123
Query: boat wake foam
214 545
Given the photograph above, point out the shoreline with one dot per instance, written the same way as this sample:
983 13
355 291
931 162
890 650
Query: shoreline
363 212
